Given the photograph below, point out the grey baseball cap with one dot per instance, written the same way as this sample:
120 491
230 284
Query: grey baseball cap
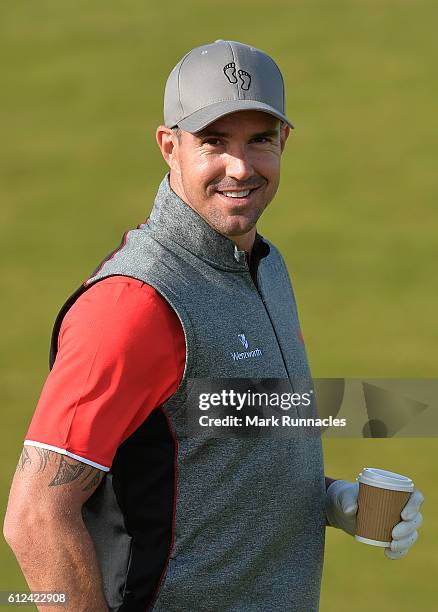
221 78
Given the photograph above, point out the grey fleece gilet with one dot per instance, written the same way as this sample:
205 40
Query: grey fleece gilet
249 523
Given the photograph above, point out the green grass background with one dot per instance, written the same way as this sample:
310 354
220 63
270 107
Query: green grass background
355 216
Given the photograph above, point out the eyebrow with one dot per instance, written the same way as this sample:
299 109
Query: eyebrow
210 133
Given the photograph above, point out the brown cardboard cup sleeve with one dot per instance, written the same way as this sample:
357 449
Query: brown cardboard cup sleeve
382 497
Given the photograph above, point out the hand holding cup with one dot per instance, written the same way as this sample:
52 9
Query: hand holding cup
378 520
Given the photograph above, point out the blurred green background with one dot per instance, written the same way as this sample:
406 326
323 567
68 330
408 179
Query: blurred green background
355 216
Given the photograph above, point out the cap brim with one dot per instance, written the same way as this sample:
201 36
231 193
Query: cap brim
202 118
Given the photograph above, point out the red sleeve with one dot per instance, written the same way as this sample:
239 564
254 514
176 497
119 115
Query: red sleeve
121 353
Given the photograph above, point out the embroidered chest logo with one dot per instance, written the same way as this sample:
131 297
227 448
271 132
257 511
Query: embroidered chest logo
244 81
247 354
243 340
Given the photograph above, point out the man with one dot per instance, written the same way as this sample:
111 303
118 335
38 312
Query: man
113 502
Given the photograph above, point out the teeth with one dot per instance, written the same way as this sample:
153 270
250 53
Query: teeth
236 194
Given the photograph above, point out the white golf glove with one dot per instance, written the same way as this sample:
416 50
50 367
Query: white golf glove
341 509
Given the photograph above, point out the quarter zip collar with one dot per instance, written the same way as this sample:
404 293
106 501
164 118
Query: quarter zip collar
172 219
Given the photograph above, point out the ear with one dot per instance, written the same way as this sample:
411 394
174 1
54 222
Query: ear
168 143
284 135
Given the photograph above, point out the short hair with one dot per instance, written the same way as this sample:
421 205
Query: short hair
178 131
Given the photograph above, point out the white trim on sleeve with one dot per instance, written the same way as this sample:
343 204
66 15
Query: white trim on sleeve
62 451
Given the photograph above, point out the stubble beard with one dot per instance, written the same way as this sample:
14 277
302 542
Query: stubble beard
236 224
233 224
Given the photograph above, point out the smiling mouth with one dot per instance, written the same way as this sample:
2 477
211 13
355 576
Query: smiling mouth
238 196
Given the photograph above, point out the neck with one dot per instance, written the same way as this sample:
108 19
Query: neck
246 241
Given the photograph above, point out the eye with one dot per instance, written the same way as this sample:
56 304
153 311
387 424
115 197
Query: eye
213 142
262 139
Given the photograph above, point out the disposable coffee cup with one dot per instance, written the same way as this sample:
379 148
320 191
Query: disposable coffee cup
382 497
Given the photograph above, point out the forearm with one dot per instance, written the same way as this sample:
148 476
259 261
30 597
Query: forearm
58 555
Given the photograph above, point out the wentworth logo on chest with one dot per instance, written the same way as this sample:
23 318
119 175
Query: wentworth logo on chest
248 353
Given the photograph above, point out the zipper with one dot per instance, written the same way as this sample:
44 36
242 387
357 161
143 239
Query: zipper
256 287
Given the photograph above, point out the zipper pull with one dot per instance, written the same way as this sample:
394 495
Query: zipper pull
240 256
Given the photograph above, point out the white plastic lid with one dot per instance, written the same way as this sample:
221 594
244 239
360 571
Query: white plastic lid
383 479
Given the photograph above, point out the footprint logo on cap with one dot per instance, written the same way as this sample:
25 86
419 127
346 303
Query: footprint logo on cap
245 79
230 72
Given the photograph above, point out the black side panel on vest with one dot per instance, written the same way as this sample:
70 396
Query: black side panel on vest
144 477
130 516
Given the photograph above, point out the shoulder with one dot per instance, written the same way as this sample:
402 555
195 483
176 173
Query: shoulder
277 270
120 305
122 289
275 258
116 293
273 249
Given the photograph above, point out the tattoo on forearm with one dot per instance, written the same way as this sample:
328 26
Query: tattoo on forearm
44 456
24 458
93 482
67 472
88 474
93 476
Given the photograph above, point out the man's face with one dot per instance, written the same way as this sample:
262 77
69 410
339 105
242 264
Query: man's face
230 171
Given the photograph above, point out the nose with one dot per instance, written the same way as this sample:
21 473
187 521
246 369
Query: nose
238 166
